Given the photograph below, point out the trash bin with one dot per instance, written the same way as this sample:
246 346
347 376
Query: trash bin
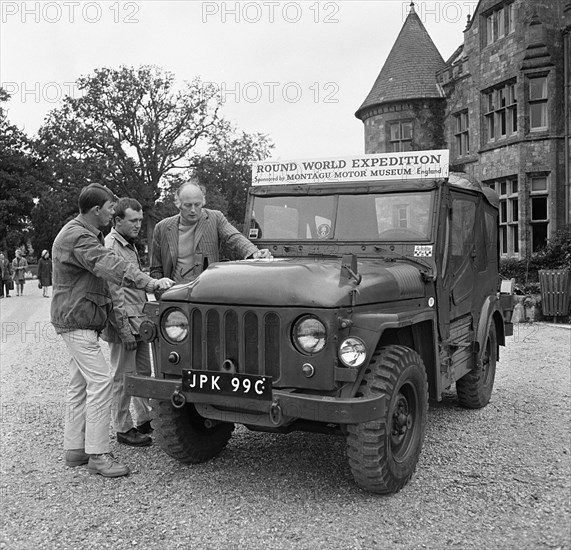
555 290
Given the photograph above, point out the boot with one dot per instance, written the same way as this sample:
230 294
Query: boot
106 465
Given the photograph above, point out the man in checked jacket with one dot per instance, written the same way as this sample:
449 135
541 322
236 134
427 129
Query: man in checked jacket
183 242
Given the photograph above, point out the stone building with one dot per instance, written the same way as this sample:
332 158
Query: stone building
501 104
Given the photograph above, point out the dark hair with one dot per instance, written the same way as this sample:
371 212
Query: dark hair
92 195
121 207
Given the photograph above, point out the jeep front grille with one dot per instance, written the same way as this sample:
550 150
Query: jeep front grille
250 340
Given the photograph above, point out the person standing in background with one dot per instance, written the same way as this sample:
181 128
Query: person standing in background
45 272
5 276
19 266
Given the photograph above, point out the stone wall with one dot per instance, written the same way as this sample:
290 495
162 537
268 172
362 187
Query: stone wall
427 116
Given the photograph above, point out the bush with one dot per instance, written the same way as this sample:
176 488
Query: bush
523 271
557 252
555 255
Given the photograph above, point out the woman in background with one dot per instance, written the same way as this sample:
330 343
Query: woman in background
45 272
19 266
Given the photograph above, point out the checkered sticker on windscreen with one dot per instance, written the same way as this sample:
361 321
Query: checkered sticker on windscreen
423 250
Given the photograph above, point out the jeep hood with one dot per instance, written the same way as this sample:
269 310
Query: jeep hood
299 283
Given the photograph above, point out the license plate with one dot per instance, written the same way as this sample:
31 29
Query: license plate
226 383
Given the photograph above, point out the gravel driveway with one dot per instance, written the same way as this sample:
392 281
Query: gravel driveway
492 478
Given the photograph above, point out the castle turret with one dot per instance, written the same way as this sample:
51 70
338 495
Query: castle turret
405 107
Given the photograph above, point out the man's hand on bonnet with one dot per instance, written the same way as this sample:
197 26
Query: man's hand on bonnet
163 284
263 253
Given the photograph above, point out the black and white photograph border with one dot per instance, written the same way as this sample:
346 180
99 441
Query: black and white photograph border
316 77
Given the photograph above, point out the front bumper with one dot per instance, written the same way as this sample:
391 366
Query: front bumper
284 407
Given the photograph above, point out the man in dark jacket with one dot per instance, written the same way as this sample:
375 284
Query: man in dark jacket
80 309
5 276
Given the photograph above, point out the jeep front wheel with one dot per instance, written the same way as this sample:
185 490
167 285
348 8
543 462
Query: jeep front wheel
383 453
474 389
187 436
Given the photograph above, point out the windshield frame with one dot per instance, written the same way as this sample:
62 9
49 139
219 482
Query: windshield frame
337 195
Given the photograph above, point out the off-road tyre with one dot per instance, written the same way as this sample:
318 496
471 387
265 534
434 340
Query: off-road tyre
474 389
383 453
182 433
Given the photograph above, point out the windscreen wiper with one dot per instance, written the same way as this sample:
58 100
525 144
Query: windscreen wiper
402 256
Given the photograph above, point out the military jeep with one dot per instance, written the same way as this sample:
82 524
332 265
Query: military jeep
383 291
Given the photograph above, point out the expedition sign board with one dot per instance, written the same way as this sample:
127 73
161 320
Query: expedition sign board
384 166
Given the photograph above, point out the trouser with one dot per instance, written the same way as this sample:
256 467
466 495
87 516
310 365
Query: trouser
6 284
89 394
124 362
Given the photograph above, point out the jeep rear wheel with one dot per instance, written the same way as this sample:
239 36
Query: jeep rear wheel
474 389
383 453
187 436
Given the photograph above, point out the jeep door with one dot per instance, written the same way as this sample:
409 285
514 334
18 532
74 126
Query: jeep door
466 279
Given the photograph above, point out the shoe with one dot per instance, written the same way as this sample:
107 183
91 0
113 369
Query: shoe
134 438
145 427
106 466
76 457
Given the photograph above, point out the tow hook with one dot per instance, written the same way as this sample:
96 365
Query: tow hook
178 398
275 413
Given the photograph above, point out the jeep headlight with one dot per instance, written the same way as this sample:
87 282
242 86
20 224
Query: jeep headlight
309 334
352 352
174 325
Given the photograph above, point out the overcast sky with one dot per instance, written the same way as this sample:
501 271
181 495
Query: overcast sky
296 71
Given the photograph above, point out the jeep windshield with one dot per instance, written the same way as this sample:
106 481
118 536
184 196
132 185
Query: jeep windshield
369 217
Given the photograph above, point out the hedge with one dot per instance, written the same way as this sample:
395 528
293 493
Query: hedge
555 255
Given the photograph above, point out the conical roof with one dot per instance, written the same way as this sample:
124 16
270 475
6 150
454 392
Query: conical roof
410 69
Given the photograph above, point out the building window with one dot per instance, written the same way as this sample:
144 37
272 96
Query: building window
400 137
538 103
507 189
499 23
461 133
510 18
539 219
400 216
500 111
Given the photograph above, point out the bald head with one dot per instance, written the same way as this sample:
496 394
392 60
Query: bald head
189 200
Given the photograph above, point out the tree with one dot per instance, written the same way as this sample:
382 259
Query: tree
19 182
225 170
128 129
56 205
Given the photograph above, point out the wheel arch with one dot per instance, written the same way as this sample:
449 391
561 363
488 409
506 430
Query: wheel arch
417 332
421 338
490 313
